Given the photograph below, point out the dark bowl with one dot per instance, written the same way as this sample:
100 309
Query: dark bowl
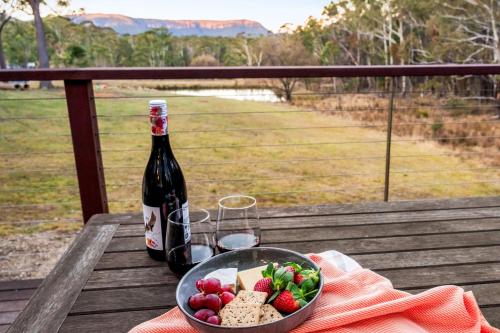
244 259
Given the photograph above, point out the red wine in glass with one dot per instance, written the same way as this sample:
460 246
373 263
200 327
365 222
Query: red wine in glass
237 241
182 258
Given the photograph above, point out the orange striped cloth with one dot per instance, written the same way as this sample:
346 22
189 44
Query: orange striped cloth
362 301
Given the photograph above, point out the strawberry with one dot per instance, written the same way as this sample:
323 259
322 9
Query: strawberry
264 285
298 279
286 302
290 269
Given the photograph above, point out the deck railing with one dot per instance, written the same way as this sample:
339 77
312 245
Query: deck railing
83 118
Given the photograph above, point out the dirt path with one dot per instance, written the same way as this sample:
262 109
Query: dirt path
31 256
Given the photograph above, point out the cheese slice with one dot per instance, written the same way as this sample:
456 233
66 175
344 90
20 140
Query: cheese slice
225 276
249 277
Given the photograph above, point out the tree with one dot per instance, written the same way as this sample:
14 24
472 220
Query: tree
20 45
7 8
285 50
476 26
43 57
154 48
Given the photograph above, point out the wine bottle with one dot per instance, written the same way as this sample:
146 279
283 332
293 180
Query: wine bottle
163 188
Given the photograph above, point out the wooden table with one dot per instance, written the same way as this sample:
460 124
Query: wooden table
107 283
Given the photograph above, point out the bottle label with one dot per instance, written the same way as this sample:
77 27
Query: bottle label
159 120
185 222
152 227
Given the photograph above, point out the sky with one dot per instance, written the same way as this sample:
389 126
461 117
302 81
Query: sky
270 13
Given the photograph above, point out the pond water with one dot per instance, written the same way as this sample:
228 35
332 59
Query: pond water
259 95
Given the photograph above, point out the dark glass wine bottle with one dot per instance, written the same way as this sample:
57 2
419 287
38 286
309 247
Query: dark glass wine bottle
163 188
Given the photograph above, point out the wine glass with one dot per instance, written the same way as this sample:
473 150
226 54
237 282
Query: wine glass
189 239
237 223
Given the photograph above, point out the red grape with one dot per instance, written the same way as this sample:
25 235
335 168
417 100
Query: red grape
214 320
211 286
203 314
226 297
199 285
226 287
196 301
213 302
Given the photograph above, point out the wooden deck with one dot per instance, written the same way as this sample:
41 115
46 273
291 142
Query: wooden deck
106 282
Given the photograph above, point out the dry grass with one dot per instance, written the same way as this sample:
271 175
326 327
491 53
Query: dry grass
278 175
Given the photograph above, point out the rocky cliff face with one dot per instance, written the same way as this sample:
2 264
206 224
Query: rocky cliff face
129 25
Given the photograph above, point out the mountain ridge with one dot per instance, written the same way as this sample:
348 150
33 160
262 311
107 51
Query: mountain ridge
123 24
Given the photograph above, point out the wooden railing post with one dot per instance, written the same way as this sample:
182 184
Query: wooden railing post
86 147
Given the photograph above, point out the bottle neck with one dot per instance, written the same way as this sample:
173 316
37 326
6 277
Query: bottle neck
161 142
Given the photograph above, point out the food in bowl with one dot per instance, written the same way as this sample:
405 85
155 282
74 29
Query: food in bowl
265 294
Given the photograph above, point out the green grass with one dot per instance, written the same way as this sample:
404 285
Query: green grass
23 180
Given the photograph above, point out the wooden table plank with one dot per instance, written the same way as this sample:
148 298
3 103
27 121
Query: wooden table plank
487 294
128 299
52 301
108 322
394 244
20 284
126 244
429 258
344 209
8 317
145 298
18 305
138 259
297 230
458 275
14 295
361 219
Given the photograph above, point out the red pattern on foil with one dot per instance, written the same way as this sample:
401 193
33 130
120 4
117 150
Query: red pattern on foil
158 125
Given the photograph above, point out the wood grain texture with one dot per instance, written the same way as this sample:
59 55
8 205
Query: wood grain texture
345 209
296 231
108 322
127 299
124 299
138 259
273 233
86 146
487 294
8 317
54 298
151 276
351 245
428 258
435 276
7 306
20 284
396 244
14 295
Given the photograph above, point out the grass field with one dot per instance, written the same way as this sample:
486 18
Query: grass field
37 176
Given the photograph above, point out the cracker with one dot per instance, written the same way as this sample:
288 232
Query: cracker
268 314
239 314
248 296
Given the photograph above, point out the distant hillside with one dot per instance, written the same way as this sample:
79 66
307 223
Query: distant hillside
129 25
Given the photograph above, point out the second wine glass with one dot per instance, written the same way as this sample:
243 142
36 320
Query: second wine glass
237 223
